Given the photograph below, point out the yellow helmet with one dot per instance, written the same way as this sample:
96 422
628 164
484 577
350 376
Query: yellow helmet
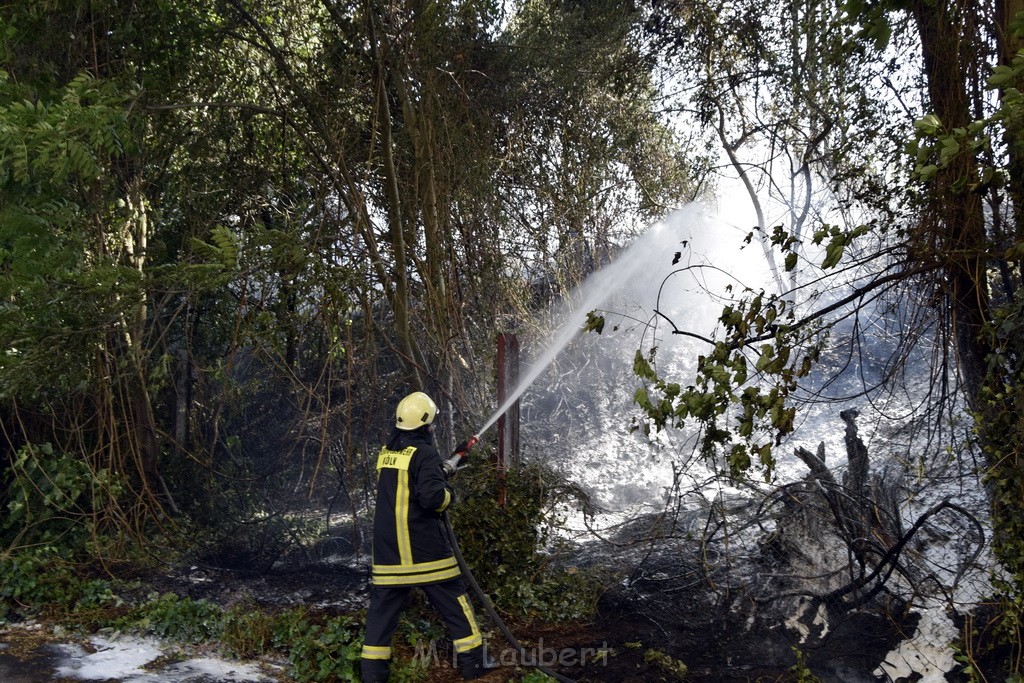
414 411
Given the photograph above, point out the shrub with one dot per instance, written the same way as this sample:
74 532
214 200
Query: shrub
34 578
41 578
53 498
504 544
325 652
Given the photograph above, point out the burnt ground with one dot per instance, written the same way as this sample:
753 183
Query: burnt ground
633 638
641 632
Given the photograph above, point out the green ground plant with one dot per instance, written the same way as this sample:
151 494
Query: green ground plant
318 647
799 672
668 665
183 620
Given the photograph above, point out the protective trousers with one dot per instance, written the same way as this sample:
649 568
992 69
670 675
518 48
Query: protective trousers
451 602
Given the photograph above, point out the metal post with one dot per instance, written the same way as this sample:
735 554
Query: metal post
508 423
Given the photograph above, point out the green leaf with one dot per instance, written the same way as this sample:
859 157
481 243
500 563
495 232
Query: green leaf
739 460
928 124
642 399
881 32
833 253
643 369
740 371
1001 75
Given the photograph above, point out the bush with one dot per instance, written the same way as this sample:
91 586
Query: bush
504 544
328 651
53 498
34 578
41 578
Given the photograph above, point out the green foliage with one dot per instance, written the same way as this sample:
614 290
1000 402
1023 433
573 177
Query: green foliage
34 578
42 578
181 619
324 652
743 410
872 19
504 544
669 666
595 323
326 649
741 394
549 595
968 666
799 671
54 498
62 231
976 152
247 632
838 240
96 593
49 143
935 148
318 647
1000 436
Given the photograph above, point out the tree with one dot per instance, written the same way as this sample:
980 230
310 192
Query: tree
940 257
264 220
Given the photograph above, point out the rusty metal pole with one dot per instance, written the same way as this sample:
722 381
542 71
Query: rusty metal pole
508 423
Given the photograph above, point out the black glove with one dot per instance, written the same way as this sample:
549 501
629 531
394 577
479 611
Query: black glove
463 448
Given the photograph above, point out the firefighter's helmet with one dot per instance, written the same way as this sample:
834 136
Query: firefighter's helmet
414 411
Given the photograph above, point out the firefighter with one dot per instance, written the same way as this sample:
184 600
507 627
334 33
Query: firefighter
410 548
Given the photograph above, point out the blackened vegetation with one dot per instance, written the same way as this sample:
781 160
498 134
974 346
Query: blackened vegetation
832 565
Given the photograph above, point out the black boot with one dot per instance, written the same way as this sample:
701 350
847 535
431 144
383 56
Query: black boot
475 663
375 670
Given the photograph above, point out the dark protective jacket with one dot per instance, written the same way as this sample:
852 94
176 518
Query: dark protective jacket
409 544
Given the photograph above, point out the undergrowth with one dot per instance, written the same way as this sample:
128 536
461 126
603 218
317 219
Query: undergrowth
511 545
49 571
316 646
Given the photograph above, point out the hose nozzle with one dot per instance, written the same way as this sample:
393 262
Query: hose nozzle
462 450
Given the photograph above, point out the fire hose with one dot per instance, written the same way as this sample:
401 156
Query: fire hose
451 466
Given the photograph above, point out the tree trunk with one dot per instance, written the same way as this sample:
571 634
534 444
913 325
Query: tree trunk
146 445
953 226
1009 45
400 302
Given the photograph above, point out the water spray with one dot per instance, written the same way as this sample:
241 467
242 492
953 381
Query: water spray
598 290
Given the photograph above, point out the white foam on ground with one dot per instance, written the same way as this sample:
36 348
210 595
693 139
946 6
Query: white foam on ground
927 654
124 659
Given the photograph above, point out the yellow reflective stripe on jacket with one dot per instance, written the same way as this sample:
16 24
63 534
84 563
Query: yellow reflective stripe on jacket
447 500
473 639
375 652
415 579
413 568
402 518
